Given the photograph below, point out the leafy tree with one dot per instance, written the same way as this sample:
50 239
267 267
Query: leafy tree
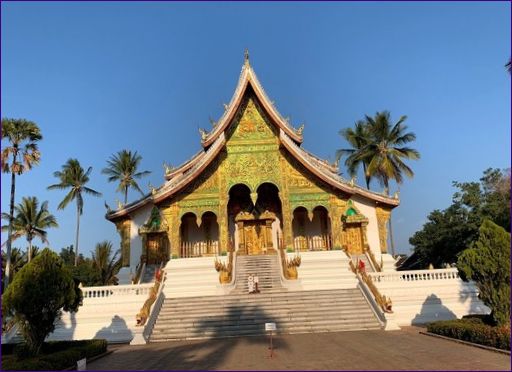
38 294
358 138
106 264
30 221
85 273
18 260
487 262
122 167
447 232
19 156
67 254
74 177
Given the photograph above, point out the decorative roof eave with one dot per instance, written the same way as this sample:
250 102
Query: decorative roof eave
175 184
249 76
185 166
331 178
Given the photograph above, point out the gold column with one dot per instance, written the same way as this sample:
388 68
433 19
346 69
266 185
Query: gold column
382 219
123 228
284 196
174 229
336 208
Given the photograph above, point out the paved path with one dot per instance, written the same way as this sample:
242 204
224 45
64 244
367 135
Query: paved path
364 350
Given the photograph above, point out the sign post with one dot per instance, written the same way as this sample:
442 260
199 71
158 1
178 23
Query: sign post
81 365
271 327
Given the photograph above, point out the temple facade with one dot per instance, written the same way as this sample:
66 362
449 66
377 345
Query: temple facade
252 189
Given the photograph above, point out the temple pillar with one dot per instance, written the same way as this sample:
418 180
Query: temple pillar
123 228
336 209
173 233
382 219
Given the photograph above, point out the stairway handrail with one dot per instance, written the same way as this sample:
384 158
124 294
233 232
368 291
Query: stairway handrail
371 259
155 309
383 302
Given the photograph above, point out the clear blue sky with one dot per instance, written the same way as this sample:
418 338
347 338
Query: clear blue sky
101 77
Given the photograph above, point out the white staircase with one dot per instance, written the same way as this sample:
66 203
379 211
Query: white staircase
246 314
265 267
324 270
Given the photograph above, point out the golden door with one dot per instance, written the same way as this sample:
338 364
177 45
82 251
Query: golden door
254 237
354 239
153 252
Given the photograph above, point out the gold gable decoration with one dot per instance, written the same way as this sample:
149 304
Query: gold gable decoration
353 215
155 223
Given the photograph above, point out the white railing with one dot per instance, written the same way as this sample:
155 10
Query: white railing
199 249
312 243
117 290
415 275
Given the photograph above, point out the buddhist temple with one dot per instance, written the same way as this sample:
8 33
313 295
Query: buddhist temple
252 189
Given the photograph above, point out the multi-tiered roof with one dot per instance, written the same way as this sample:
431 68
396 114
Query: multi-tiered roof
214 141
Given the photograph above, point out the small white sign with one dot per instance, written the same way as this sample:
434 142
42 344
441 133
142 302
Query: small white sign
81 365
270 327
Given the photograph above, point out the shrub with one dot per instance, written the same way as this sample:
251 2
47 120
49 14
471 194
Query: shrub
38 293
473 330
55 355
487 262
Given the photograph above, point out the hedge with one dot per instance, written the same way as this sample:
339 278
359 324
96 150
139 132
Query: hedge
56 355
473 330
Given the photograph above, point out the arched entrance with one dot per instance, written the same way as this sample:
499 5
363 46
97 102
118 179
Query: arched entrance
199 237
311 231
254 227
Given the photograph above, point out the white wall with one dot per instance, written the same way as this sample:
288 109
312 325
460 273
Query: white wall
138 219
367 208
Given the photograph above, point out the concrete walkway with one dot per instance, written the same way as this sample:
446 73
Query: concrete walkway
364 350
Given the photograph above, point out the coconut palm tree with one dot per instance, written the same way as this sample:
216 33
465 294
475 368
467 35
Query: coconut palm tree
19 156
107 265
385 152
358 137
74 177
122 167
31 221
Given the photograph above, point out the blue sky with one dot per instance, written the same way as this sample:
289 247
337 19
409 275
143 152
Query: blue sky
101 77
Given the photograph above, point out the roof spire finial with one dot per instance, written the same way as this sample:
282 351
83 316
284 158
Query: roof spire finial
246 57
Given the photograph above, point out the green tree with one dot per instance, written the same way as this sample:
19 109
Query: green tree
447 232
358 138
38 294
86 274
31 221
106 263
487 263
74 177
19 156
18 260
122 167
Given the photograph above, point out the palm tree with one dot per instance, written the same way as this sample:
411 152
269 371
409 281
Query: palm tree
18 259
122 167
385 152
107 266
22 136
74 178
358 138
30 221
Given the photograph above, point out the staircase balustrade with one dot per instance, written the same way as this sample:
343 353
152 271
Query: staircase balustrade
200 248
116 290
415 275
312 243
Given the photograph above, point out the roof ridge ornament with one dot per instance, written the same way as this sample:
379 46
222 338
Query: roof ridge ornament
246 57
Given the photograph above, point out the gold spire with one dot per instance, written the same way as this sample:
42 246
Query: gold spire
246 57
